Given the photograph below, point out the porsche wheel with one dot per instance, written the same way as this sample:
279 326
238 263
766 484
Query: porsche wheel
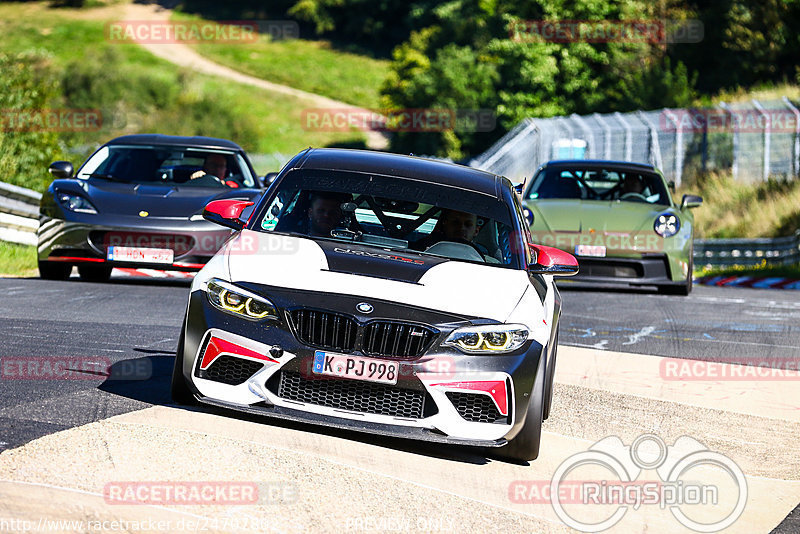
94 273
50 270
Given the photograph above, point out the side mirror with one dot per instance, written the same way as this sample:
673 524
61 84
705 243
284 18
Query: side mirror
671 185
549 260
268 179
691 201
226 212
61 169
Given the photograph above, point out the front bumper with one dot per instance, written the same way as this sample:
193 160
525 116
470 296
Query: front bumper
86 240
441 396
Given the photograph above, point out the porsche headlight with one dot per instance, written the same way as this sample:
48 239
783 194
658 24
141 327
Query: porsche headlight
667 224
488 339
239 302
75 202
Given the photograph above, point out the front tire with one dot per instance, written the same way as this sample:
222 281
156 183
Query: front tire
51 270
524 446
179 389
94 273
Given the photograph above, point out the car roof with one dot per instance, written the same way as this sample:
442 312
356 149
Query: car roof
600 163
159 139
385 163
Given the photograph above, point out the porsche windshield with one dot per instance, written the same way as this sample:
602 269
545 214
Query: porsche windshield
394 213
168 164
599 184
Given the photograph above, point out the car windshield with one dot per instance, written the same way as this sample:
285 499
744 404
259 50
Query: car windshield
394 213
169 164
599 184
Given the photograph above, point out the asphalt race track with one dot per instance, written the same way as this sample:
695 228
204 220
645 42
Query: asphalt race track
63 441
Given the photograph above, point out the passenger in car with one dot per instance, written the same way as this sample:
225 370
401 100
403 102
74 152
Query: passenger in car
452 225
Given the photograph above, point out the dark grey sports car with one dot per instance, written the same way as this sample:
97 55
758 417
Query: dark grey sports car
138 202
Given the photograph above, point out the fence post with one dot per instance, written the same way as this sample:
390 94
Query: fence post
655 146
735 142
607 129
796 144
678 146
628 135
760 109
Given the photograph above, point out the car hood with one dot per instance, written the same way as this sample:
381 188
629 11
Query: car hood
558 215
157 199
353 269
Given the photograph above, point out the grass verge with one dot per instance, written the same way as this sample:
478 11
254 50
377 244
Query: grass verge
764 271
735 209
312 66
17 260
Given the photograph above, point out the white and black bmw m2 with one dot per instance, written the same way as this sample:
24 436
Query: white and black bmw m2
382 293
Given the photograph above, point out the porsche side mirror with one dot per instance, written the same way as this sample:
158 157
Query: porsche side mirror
226 212
691 201
268 178
549 260
61 169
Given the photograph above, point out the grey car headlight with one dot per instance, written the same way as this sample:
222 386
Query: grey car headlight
75 202
488 339
667 224
238 301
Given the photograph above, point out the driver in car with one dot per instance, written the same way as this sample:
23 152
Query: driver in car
325 213
215 165
631 184
453 225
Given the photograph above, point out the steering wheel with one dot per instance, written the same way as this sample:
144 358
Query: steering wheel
633 196
461 242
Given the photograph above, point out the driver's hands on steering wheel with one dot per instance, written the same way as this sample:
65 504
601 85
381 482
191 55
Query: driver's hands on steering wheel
633 195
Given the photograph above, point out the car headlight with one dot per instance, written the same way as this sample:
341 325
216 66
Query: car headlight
488 339
75 202
239 302
667 224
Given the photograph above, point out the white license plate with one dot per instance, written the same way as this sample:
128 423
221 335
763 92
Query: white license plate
355 367
590 250
140 255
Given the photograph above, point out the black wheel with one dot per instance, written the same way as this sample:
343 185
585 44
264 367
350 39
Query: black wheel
51 270
525 446
181 394
94 273
551 373
682 289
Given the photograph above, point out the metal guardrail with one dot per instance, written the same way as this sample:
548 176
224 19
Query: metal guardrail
747 252
19 214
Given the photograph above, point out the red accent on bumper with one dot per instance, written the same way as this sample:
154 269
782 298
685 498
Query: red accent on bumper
495 388
75 259
217 347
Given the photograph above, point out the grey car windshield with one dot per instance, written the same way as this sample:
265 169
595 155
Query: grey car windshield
169 164
395 213
599 184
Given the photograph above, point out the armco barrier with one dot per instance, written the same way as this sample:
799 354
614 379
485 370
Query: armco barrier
747 252
19 214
